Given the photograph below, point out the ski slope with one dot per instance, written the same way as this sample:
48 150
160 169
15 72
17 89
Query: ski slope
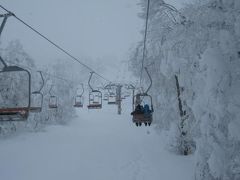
98 145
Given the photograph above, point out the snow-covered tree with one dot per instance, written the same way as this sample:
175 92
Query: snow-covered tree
200 45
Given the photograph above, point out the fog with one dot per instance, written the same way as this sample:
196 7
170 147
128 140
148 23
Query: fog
101 31
87 29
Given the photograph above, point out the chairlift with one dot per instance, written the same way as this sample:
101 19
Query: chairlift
37 98
106 94
95 97
111 97
105 97
53 100
141 115
78 102
16 113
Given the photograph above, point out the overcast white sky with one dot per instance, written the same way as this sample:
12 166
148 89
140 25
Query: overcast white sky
96 29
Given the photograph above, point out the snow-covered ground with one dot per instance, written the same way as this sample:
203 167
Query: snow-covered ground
98 145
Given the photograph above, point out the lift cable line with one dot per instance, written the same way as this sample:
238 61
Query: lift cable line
35 70
70 82
144 42
54 44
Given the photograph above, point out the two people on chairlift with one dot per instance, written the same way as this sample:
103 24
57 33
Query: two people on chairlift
139 109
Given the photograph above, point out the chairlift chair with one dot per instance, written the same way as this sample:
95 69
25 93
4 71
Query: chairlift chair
105 97
96 101
78 102
95 97
141 117
36 106
53 100
16 113
111 99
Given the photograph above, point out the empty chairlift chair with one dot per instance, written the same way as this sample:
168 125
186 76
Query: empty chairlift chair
37 98
111 95
105 98
111 98
78 100
96 101
95 97
15 93
53 101
106 94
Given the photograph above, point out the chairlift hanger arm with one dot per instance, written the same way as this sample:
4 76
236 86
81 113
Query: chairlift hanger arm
42 85
150 78
77 91
82 89
89 80
50 90
43 81
5 16
3 62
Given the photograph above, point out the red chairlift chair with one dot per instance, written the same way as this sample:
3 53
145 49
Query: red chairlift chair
16 113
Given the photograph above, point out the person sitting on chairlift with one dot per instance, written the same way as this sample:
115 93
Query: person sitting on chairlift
146 110
138 110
